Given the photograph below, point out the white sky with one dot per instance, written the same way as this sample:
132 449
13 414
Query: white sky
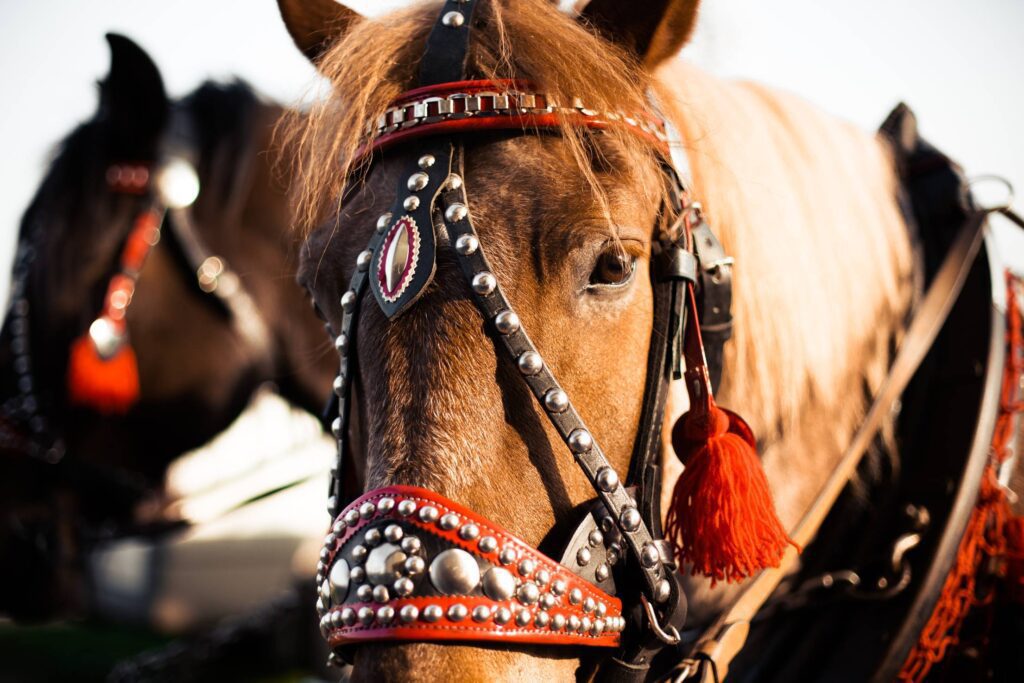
958 64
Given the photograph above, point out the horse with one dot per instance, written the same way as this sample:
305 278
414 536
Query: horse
435 421
214 314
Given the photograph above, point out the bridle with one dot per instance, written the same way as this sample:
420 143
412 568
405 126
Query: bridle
403 563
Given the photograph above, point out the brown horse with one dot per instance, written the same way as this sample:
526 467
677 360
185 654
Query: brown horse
197 369
806 203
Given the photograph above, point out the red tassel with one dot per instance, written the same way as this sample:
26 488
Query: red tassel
722 512
110 386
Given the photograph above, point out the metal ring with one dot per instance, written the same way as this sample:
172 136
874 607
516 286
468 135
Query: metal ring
999 179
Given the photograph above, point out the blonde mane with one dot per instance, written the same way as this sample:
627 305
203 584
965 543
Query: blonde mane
808 206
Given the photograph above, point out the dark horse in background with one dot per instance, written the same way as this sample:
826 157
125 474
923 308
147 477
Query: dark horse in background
196 371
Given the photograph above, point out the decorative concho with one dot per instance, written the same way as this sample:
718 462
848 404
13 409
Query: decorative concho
397 258
405 563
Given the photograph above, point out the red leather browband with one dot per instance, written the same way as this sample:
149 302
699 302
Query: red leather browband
484 105
404 563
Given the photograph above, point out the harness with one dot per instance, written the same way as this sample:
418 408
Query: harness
406 564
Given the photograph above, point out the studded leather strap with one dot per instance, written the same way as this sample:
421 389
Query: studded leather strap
408 564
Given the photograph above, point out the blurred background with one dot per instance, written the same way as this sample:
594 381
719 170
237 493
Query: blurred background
958 65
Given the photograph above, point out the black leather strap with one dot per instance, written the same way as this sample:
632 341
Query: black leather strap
714 297
444 60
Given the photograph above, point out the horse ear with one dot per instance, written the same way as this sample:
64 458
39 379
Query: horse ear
315 24
653 30
132 97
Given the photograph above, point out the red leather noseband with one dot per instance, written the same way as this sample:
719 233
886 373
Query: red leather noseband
404 563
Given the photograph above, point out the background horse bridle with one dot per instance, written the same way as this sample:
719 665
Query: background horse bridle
486 583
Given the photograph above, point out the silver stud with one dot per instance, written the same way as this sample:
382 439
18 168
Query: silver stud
454 181
528 593
359 553
613 554
426 161
487 544
366 615
583 557
409 613
411 544
453 19
325 554
403 587
357 575
499 584
449 521
383 222
406 508
595 538
432 613
484 283
649 556
348 300
414 566
589 605
530 363
385 505
542 578
458 612
429 514
365 592
502 615
469 532
394 533
351 517
336 427
558 622
341 343
585 624
556 401
384 563
662 591
454 572
385 614
559 587
541 620
602 609
602 572
547 601
339 389
366 510
348 616
481 613
467 244
574 623
363 260
508 555
580 441
336 621
507 322
575 596
455 213
417 181
598 627
321 609
381 594
630 519
373 537
330 539
527 566
523 618
411 203
339 578
339 526
607 479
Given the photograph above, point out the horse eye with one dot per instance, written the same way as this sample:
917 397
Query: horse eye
614 268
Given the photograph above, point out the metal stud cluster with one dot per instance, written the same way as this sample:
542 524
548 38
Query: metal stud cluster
389 563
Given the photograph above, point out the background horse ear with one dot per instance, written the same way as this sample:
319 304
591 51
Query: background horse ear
653 31
132 100
315 24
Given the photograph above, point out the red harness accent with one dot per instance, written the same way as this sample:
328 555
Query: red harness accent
485 105
506 590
